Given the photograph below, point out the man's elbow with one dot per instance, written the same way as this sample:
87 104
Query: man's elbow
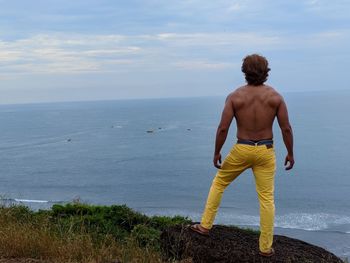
287 129
222 129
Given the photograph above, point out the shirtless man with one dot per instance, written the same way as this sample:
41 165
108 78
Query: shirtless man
254 106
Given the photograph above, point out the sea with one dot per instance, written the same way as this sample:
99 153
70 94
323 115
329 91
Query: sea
155 156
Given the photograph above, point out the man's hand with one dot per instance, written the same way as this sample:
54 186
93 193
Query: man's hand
290 160
217 160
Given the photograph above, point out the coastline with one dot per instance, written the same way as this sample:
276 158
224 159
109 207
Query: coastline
117 233
331 240
337 242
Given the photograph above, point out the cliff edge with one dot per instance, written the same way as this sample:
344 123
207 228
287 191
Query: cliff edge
231 244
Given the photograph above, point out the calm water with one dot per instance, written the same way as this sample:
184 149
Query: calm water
101 153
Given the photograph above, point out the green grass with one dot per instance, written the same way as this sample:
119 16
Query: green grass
82 233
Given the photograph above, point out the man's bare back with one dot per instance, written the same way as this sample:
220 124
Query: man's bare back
255 108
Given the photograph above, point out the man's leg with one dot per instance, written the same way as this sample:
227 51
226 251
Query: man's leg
235 163
264 172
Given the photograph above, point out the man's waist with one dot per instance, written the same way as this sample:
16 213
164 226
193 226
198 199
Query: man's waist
255 142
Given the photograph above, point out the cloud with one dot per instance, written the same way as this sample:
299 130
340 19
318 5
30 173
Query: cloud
218 39
203 65
234 7
8 55
64 54
59 53
67 53
319 41
329 9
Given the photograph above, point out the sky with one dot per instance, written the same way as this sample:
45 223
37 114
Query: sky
64 50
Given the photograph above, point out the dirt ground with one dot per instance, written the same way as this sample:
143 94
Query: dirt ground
21 260
228 244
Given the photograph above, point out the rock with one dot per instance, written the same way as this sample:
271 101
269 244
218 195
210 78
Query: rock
231 244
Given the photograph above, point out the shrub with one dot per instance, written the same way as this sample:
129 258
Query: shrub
162 222
146 236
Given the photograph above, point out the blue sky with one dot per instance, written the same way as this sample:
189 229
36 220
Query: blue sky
60 50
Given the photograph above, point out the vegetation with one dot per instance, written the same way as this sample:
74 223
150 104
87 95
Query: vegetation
82 233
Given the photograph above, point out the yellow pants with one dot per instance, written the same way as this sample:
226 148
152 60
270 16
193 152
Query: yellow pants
263 163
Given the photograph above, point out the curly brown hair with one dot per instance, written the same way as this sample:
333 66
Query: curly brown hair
256 69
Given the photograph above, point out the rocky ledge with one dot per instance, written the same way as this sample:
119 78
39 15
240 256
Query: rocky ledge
231 244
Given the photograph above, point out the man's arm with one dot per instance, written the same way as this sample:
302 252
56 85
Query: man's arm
221 133
287 133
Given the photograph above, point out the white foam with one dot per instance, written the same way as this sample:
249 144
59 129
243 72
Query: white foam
304 221
30 201
318 221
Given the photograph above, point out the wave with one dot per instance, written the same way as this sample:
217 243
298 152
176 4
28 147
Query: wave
318 221
20 201
30 201
301 221
48 140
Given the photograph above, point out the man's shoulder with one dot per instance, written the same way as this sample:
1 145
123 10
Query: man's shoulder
238 91
236 97
273 92
242 91
274 97
270 89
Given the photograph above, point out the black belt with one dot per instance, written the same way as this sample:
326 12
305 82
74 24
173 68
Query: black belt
255 143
